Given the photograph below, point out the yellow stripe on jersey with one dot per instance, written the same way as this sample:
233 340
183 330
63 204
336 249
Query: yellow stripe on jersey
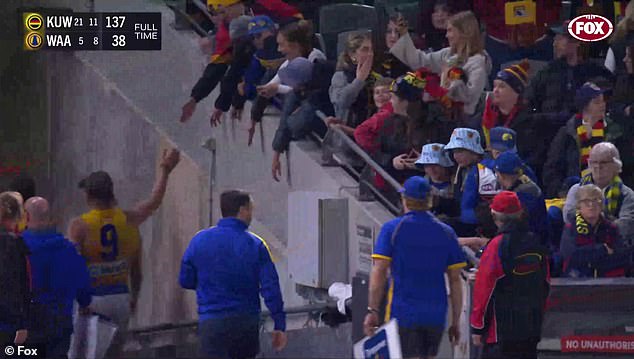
380 256
265 245
109 247
457 265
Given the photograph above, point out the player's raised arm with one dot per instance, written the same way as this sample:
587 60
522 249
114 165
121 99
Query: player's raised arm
145 208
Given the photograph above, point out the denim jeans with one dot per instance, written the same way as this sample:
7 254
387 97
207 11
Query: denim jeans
235 337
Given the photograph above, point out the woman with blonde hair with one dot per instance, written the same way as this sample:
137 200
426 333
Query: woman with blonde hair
465 52
349 86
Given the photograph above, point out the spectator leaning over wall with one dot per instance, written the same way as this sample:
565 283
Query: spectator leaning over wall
465 51
108 237
592 246
294 40
230 267
511 287
227 10
618 204
417 294
15 274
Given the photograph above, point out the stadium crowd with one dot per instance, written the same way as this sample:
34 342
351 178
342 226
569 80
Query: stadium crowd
452 99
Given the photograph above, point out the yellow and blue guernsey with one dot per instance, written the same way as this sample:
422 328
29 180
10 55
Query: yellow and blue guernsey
109 247
420 249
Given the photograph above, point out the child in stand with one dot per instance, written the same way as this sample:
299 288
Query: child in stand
438 169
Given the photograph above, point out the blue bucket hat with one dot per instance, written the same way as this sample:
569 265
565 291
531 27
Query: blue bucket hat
259 24
509 163
297 72
503 139
465 138
434 154
416 187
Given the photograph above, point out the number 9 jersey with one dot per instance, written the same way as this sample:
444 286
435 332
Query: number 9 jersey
109 248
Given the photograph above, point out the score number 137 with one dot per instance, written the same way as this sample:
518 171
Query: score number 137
116 22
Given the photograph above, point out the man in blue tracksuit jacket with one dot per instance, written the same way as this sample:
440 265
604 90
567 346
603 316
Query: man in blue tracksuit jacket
229 267
59 277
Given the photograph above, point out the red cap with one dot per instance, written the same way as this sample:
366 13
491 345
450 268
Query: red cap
506 202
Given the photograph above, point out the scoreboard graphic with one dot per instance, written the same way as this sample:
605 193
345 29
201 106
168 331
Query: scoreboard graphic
65 30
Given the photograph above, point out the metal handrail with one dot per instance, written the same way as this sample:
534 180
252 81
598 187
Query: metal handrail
189 19
364 155
199 4
193 324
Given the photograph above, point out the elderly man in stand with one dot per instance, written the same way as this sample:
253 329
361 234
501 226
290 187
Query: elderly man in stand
618 204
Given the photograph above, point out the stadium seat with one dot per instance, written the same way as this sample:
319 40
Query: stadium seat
337 18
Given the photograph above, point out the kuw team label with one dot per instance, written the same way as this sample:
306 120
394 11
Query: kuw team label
59 30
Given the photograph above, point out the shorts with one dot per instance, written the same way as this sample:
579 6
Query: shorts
115 307
420 341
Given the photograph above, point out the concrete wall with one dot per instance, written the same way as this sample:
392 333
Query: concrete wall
94 127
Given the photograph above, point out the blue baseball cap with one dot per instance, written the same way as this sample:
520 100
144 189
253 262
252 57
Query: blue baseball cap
259 24
416 187
298 72
587 93
509 163
503 139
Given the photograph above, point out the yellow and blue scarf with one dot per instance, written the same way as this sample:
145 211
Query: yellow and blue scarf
613 195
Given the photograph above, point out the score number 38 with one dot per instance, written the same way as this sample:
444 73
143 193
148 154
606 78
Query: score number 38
117 23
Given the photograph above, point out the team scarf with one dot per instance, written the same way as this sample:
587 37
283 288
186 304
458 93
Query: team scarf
586 140
582 228
491 116
613 195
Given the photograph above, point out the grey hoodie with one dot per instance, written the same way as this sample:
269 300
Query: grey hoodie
477 69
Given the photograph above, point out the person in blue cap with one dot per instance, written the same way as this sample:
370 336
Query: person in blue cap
263 67
569 151
438 169
417 295
508 168
502 139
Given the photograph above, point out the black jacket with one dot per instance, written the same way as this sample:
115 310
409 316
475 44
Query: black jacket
553 88
15 283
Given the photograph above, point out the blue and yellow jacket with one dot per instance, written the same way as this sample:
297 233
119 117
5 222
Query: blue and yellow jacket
229 267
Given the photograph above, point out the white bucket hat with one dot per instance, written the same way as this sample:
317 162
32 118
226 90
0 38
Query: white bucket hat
433 154
465 138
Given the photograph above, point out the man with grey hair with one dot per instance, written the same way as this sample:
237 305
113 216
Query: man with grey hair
618 206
